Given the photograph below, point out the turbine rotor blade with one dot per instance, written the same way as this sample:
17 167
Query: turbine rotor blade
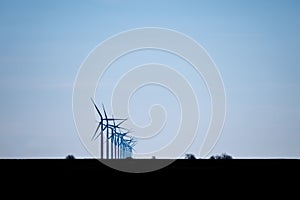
104 111
97 109
93 138
98 135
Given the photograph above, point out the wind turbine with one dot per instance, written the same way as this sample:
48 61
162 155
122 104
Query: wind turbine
102 127
101 130
119 139
129 144
107 133
114 136
116 133
119 142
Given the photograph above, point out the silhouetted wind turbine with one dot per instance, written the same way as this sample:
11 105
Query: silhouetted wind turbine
107 133
102 127
107 129
114 133
114 136
101 131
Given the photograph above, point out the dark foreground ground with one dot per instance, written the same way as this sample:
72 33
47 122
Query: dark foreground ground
184 176
181 167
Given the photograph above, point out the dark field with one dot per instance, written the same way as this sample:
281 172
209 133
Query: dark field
181 167
89 176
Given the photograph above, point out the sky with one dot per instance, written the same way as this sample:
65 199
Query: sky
254 44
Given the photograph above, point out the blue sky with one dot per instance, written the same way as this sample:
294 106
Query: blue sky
255 45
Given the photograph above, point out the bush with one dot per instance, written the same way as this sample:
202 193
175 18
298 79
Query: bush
189 156
70 157
222 156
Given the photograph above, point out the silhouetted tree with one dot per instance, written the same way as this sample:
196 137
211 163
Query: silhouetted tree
226 156
70 157
189 156
222 156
